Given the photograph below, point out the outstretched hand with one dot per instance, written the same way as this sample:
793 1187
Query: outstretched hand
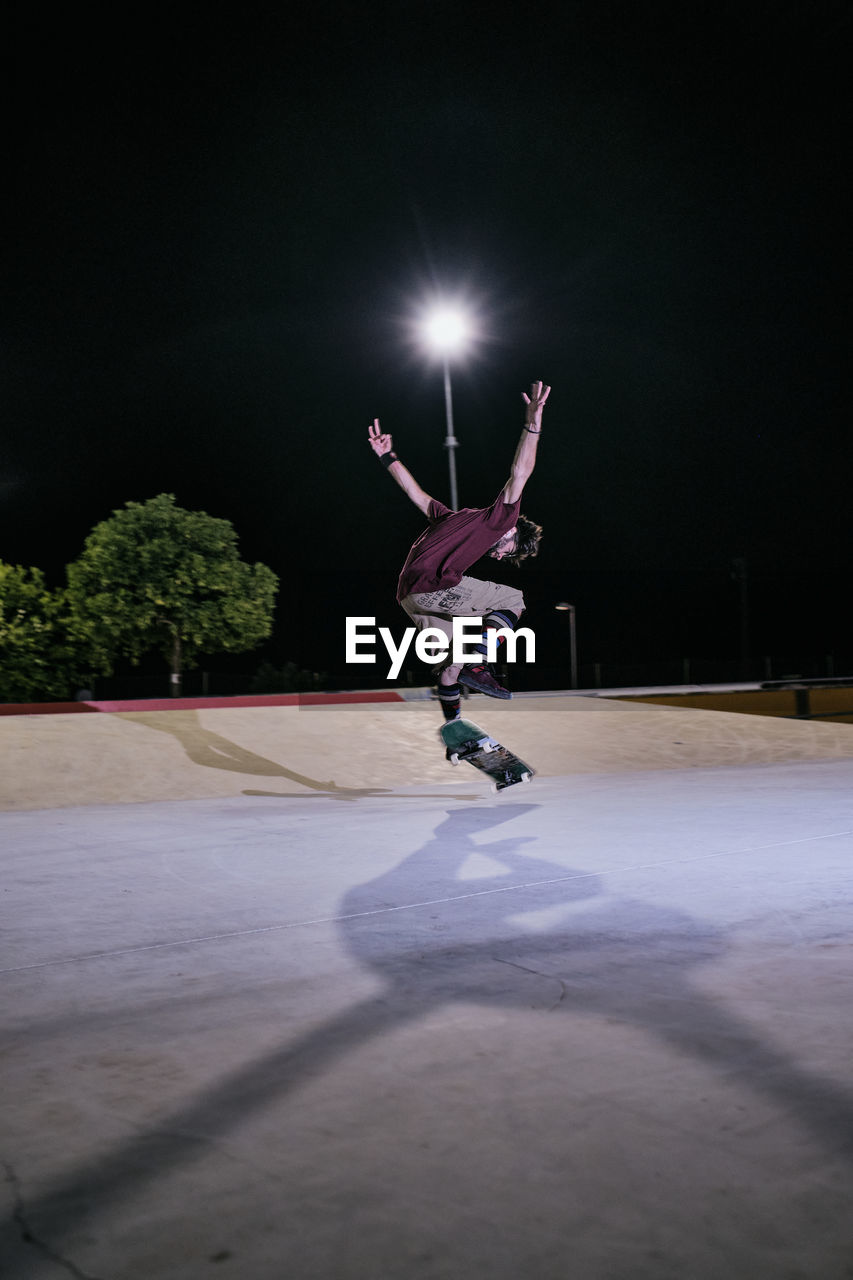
380 441
535 402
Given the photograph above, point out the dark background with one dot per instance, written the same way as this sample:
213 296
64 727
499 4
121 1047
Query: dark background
222 219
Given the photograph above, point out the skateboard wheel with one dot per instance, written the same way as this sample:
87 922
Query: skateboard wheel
454 758
488 748
525 777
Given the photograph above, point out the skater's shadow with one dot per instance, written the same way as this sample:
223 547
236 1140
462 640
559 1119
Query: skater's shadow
212 750
488 922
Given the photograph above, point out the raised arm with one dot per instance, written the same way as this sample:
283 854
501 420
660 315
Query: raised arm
525 455
382 446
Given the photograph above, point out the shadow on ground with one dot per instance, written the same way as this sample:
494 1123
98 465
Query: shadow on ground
621 959
212 750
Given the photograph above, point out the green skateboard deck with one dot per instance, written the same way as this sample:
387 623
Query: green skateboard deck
465 741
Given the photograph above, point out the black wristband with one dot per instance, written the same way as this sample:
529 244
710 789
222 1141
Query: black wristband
387 458
534 431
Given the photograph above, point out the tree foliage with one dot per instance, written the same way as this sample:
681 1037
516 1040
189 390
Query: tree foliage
39 654
155 576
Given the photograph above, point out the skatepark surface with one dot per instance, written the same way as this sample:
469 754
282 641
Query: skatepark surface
286 996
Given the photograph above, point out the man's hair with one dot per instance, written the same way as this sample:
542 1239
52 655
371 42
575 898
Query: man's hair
527 539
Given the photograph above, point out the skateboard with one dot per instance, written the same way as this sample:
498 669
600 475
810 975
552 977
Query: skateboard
465 741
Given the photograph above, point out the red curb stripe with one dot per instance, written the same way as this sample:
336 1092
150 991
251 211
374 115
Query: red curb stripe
44 708
198 704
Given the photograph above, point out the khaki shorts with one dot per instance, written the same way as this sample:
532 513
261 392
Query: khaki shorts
469 598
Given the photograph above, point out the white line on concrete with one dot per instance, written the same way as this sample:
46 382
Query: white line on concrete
413 906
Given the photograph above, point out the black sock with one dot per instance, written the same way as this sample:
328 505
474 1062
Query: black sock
493 622
450 699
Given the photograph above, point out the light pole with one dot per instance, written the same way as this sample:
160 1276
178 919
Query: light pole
447 330
451 444
565 607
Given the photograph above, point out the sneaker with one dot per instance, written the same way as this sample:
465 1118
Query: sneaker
481 679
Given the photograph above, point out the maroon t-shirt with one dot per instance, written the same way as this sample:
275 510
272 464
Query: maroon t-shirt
454 540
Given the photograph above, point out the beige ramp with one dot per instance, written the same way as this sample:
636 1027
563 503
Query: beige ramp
52 761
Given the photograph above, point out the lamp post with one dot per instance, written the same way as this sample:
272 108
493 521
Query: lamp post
447 331
451 444
565 607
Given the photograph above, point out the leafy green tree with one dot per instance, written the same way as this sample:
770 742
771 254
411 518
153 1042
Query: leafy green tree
40 658
155 576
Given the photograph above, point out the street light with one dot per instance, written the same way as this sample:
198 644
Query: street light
565 607
446 330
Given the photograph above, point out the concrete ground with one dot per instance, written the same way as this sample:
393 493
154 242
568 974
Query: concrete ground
285 996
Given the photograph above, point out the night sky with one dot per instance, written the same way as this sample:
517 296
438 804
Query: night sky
222 220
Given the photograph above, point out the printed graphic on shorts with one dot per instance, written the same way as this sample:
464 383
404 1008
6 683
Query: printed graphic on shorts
447 601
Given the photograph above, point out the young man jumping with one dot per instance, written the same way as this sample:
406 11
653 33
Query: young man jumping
433 587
